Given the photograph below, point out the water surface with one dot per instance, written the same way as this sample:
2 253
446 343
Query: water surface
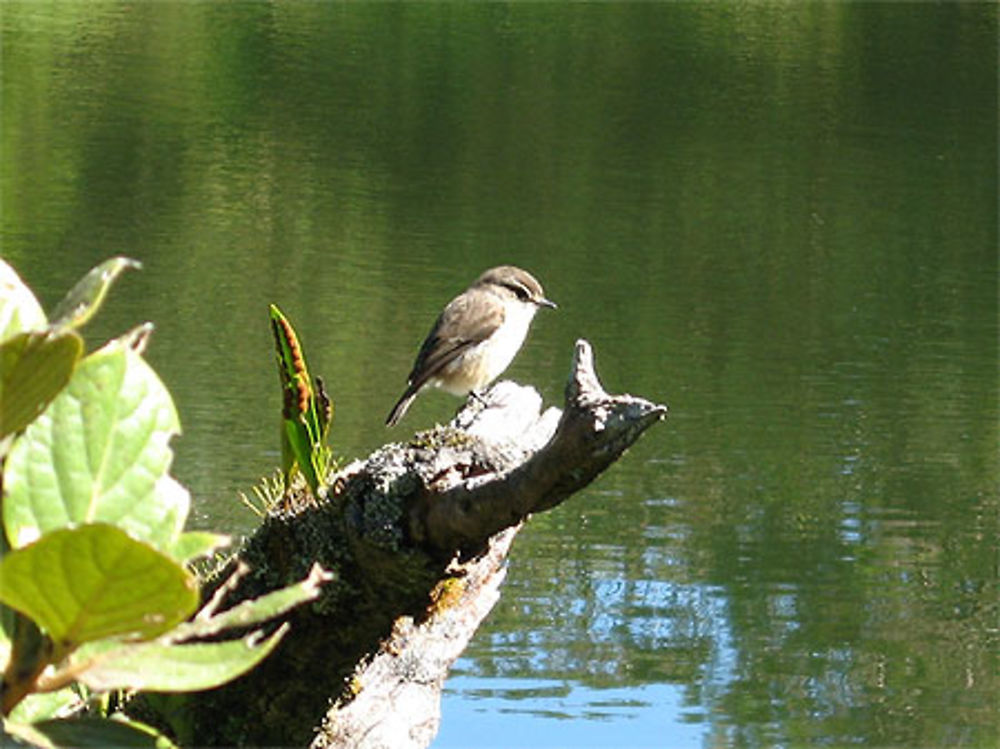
781 220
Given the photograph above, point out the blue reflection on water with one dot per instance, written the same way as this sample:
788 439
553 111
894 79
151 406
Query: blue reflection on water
496 710
559 714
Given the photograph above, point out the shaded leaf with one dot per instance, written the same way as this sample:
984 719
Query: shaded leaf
30 652
19 309
95 581
99 453
101 733
84 299
7 618
162 667
34 368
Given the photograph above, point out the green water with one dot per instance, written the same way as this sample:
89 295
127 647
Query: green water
779 219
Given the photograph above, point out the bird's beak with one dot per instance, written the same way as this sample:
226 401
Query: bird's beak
543 302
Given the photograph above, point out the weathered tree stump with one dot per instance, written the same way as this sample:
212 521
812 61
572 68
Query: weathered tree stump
417 536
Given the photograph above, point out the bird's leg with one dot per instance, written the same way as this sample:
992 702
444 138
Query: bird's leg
474 395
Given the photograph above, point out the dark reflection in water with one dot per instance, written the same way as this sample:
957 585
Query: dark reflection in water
779 219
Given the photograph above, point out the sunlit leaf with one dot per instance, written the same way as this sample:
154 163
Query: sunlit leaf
172 502
195 544
164 667
14 733
257 610
34 368
138 337
95 581
101 733
306 408
84 299
45 706
19 309
99 453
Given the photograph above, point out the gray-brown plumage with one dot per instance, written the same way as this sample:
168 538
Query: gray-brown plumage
476 336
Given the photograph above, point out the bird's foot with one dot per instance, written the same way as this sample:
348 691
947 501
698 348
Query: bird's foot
474 397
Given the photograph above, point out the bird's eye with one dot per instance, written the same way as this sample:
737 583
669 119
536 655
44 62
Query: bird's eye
522 293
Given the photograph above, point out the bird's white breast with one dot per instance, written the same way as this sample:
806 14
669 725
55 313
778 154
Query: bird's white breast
484 362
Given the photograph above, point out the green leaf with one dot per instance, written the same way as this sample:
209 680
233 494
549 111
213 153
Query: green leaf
95 581
194 544
43 706
306 408
13 733
297 452
168 512
163 667
84 299
30 652
169 664
19 309
7 618
34 368
255 611
101 733
99 453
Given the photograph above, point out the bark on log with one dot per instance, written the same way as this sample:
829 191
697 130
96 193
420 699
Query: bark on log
417 536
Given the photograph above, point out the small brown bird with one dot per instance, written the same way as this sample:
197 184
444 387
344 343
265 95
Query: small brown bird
476 337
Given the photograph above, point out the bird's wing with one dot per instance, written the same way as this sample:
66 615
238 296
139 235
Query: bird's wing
467 320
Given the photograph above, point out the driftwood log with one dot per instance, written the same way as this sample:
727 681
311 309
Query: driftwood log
416 536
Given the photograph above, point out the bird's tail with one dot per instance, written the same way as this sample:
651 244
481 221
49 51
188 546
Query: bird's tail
399 410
